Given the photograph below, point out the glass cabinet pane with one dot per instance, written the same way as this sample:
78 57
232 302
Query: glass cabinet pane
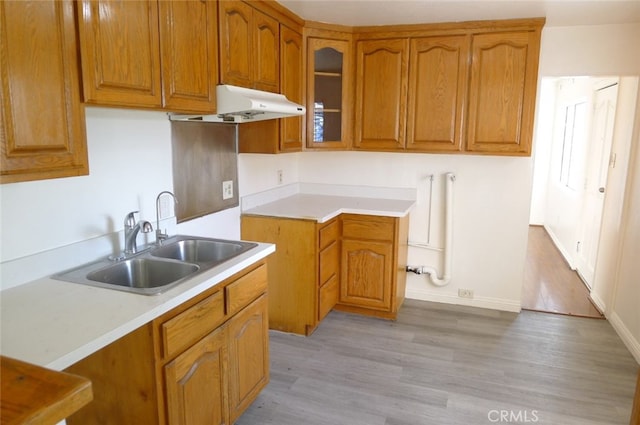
327 104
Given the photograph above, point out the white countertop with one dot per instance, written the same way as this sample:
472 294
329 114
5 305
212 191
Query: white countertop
322 208
55 324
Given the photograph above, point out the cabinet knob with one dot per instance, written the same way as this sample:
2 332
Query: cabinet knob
601 190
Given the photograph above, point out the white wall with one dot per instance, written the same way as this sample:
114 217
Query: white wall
543 134
50 225
491 207
590 50
625 315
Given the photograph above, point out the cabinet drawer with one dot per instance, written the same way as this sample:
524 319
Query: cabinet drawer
246 289
328 297
329 263
328 234
375 228
192 324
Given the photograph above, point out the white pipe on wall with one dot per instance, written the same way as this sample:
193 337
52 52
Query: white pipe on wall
448 239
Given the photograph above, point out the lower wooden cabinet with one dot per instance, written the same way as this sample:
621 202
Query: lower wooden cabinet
196 383
374 260
352 263
296 292
248 334
203 362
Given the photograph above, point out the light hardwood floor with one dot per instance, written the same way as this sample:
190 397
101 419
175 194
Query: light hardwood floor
444 364
549 284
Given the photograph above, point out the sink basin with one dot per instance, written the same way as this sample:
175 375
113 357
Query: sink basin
202 251
157 269
143 273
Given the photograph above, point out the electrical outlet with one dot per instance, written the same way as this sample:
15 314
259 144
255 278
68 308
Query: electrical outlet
465 293
227 189
280 177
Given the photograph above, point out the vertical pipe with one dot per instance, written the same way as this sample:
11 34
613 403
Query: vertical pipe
448 238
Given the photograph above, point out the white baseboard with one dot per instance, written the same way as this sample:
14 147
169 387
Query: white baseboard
598 302
627 337
568 258
481 302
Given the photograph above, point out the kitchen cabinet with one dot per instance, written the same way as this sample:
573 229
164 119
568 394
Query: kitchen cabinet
285 134
42 131
373 263
381 94
329 90
248 345
203 362
189 52
471 87
196 383
291 80
304 272
249 47
502 92
353 263
328 267
293 286
437 93
151 54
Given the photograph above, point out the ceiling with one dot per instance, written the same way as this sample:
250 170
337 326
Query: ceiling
388 12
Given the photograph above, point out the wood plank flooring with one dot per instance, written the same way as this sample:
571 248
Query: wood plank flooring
549 284
445 364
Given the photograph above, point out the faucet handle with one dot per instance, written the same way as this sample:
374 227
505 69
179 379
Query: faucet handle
130 219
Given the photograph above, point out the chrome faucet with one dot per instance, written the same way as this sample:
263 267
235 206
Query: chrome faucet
159 235
131 229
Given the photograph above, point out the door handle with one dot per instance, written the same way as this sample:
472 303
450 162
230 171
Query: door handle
601 190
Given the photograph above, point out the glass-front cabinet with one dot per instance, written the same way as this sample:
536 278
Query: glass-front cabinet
328 109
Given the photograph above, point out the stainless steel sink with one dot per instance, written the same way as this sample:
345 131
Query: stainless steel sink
143 273
157 269
202 251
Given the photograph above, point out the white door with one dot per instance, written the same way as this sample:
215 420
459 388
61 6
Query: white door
595 184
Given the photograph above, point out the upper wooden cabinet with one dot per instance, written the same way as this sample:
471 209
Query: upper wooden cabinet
284 134
124 43
249 47
502 92
381 93
437 89
471 87
291 82
42 131
120 52
189 48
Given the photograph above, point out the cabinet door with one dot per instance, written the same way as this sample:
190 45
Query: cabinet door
196 383
236 43
42 132
291 130
502 92
437 90
381 94
329 96
266 52
248 334
189 45
120 53
366 274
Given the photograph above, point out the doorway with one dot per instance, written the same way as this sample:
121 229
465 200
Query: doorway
581 154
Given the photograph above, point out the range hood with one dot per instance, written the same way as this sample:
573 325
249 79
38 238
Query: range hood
240 105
